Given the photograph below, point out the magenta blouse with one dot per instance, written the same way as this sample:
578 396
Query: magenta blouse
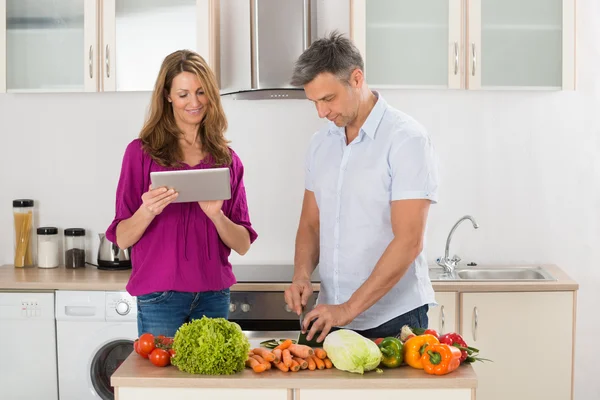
181 249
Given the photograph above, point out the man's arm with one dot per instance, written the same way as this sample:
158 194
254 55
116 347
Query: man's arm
306 255
409 219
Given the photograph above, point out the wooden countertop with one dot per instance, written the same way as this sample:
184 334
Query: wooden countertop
138 372
91 278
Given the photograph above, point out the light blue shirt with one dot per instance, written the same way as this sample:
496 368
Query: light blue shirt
392 158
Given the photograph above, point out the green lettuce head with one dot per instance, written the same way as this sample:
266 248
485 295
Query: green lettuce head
210 346
349 351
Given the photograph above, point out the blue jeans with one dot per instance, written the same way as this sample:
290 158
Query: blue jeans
162 313
414 318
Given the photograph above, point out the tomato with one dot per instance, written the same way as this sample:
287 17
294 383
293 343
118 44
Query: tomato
378 340
160 357
172 352
136 347
431 332
167 341
146 344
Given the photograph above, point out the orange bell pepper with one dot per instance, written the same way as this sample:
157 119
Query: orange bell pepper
414 348
440 359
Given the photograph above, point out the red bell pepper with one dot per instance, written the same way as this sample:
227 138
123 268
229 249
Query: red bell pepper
454 339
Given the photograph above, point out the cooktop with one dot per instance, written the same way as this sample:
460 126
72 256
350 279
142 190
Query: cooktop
268 273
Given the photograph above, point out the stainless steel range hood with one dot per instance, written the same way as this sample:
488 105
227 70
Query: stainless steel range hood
280 30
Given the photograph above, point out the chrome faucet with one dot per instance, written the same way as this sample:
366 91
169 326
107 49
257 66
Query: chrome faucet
449 264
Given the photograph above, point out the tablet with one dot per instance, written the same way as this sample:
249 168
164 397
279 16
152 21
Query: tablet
195 184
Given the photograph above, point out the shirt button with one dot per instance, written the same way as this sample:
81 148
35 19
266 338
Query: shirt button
337 246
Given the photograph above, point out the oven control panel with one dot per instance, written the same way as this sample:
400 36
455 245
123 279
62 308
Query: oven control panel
263 306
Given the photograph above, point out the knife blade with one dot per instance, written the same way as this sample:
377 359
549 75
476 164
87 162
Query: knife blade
302 336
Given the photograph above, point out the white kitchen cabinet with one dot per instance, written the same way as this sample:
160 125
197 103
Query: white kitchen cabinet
443 317
361 394
470 44
193 393
529 337
48 46
94 45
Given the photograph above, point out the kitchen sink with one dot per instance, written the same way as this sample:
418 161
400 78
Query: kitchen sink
505 274
492 274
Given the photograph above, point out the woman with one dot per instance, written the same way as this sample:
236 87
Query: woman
180 268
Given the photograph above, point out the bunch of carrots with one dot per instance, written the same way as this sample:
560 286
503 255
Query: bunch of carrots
288 357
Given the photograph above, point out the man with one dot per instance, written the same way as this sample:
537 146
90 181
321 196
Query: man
371 175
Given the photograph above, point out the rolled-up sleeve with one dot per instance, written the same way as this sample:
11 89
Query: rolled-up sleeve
129 189
414 169
239 204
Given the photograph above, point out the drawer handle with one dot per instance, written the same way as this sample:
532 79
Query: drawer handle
442 319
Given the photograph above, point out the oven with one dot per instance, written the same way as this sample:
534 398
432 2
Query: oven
261 310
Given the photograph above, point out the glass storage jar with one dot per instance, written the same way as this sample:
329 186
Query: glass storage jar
23 238
74 248
47 247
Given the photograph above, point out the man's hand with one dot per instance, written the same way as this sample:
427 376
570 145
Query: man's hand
325 317
297 294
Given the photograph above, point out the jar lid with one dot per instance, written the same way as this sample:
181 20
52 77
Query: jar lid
23 203
47 230
74 232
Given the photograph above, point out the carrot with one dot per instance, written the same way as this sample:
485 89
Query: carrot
278 355
287 358
255 365
311 363
285 344
320 353
262 360
301 361
282 367
328 363
295 366
264 353
301 350
320 364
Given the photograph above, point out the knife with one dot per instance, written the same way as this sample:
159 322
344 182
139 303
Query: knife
302 336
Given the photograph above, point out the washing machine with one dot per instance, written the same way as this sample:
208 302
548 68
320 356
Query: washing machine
95 331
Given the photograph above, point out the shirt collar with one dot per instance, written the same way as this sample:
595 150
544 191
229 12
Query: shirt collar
371 123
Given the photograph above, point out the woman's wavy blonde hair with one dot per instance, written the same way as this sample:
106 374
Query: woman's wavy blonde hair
160 134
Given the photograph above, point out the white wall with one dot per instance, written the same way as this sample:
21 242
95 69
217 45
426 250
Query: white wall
525 165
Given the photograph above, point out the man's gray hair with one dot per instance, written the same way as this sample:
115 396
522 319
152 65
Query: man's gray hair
335 54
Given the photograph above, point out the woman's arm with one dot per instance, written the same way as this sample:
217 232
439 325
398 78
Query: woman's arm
235 236
130 230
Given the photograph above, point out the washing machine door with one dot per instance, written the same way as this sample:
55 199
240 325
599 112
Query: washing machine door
105 362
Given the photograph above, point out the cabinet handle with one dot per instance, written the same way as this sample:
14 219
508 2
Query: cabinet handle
107 61
474 55
475 323
455 58
91 62
442 319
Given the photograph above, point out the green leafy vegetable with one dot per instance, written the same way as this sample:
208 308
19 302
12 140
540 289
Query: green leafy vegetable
349 351
210 346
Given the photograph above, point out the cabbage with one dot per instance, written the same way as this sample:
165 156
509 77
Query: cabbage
210 346
349 351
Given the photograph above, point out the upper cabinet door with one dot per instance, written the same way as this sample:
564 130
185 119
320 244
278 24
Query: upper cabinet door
49 46
408 43
521 44
139 34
